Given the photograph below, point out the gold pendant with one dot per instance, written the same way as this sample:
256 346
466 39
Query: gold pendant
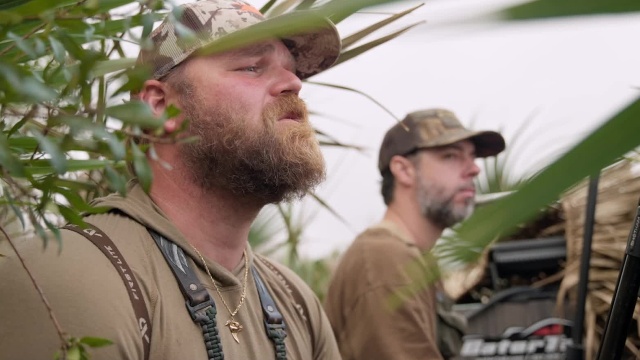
235 328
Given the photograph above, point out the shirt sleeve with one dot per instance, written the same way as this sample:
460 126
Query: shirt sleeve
84 291
378 268
374 330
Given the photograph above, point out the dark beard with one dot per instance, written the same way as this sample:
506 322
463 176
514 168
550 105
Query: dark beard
265 165
439 211
442 215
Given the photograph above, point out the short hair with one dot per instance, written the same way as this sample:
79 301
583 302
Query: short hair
388 185
389 181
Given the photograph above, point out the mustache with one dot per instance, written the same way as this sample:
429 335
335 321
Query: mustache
287 106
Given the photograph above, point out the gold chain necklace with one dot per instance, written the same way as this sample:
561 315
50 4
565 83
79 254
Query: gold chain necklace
234 326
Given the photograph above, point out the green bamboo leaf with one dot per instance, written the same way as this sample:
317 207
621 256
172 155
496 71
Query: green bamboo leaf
59 52
540 9
141 167
78 124
282 7
75 200
23 144
305 5
266 7
279 27
352 39
613 139
36 90
325 205
108 5
95 342
26 85
58 158
70 215
36 7
350 54
9 18
105 67
11 202
43 167
9 162
23 45
117 181
75 185
8 4
147 24
135 113
357 92
338 10
39 47
116 145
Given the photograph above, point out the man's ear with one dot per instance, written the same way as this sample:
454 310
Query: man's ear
403 170
155 94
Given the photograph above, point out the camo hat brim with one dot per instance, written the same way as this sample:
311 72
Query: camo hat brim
215 21
433 128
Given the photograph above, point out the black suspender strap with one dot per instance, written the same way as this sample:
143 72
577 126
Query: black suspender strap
203 309
273 320
199 303
102 241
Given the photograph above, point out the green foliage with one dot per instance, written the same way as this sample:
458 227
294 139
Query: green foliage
67 136
64 76
551 8
76 348
613 140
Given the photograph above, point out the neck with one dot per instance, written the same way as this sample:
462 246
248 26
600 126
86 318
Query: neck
409 218
215 222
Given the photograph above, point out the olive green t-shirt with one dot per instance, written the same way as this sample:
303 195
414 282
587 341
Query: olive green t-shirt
89 298
368 318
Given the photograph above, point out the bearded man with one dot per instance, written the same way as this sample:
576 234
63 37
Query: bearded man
185 243
427 162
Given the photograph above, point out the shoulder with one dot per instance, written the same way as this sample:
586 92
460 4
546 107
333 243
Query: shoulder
82 287
376 251
285 278
381 241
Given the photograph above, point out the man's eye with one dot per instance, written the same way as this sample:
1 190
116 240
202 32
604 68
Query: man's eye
252 68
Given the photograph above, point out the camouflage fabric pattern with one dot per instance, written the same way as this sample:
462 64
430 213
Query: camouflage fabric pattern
432 128
211 20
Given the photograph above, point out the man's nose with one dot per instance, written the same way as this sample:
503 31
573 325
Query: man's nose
474 169
287 82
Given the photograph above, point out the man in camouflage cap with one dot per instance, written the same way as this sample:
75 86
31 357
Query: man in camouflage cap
255 146
427 162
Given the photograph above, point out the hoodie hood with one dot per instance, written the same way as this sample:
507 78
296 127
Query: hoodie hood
138 206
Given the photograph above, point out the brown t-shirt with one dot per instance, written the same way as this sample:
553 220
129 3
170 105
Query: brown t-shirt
89 298
368 318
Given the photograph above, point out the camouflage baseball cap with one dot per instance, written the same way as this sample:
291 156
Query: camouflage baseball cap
213 20
432 128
